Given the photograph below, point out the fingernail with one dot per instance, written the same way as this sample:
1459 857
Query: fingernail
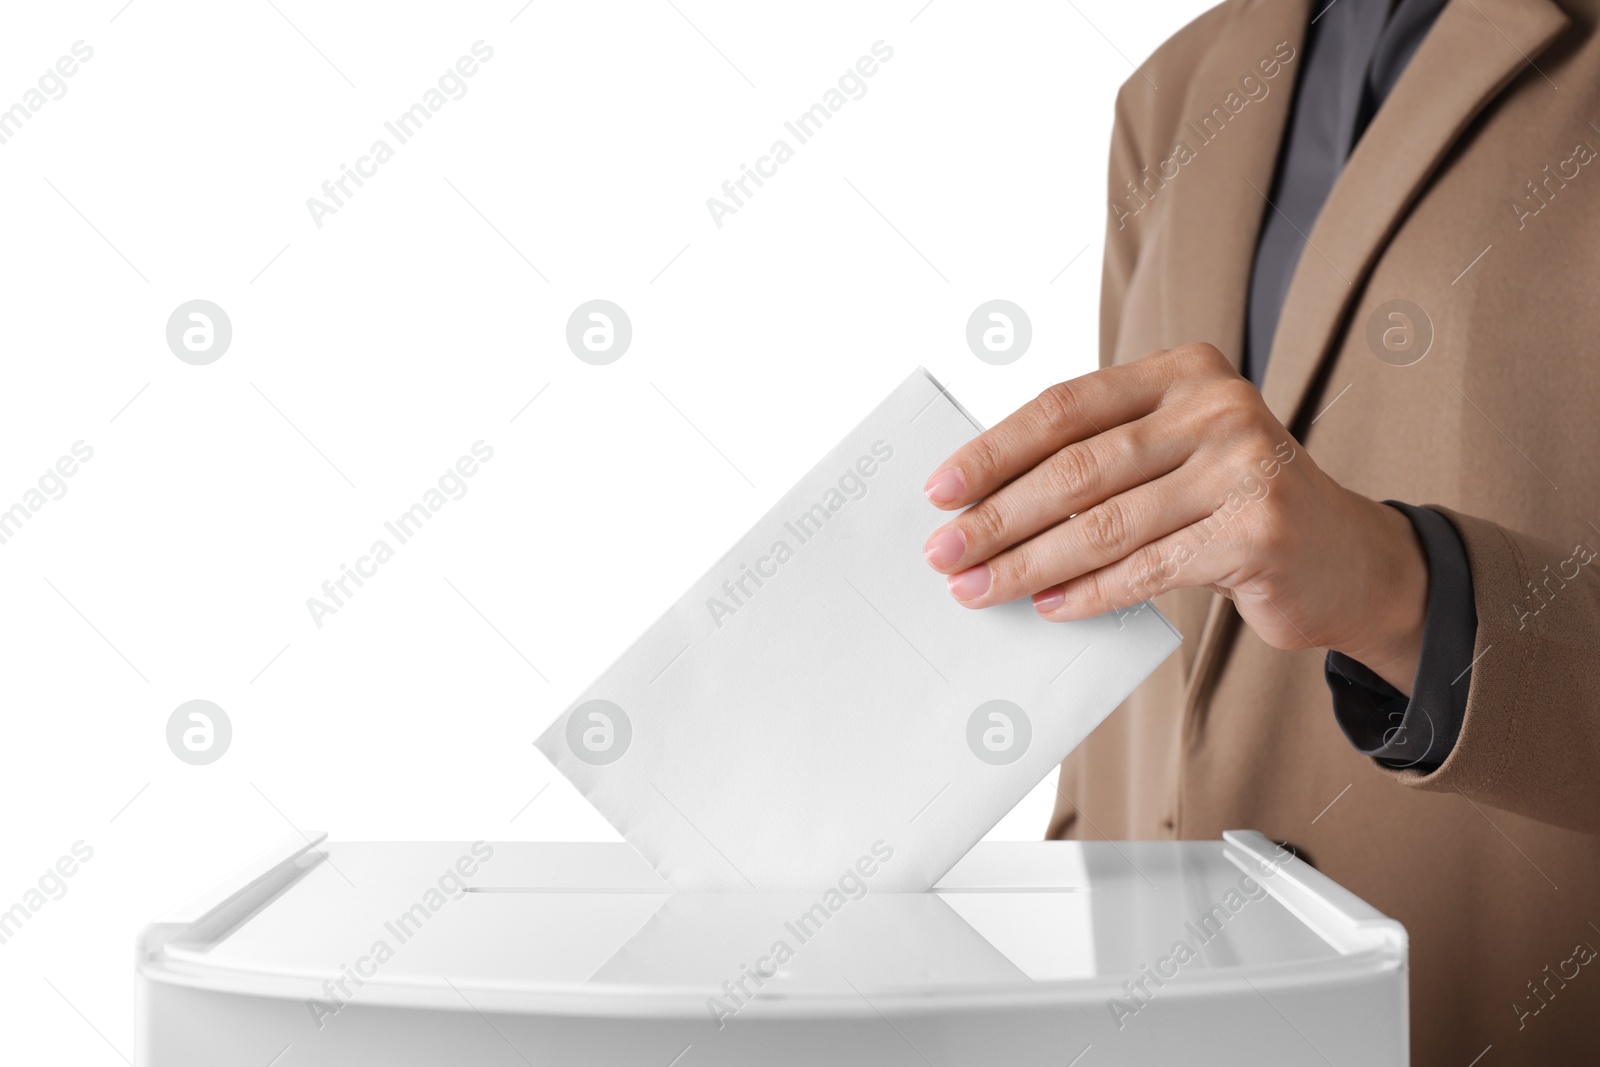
970 583
1049 600
946 486
945 548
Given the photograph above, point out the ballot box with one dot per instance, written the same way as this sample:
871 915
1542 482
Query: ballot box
1062 953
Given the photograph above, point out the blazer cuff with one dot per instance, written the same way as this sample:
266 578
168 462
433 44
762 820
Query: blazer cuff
1532 727
1418 733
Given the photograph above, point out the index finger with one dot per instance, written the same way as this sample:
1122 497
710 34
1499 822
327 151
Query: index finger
1062 415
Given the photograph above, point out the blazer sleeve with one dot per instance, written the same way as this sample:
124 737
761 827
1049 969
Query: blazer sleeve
1122 237
1530 740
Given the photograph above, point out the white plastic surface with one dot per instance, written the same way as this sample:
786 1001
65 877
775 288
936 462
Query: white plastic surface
579 953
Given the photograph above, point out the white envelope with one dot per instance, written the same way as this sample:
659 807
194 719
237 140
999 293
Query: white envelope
817 699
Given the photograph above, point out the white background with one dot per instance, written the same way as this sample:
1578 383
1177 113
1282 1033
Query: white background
369 353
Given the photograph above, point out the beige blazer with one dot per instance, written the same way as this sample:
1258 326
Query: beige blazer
1473 196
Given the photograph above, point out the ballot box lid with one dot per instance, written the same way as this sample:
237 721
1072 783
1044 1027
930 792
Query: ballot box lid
591 929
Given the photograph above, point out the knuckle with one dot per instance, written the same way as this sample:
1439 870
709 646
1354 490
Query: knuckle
1206 357
1241 395
1069 472
1122 449
1243 467
1192 358
983 457
983 524
1023 574
1235 406
1269 529
1146 573
1097 592
1105 527
1058 405
1186 371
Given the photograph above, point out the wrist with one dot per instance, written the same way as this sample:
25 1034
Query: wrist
1387 639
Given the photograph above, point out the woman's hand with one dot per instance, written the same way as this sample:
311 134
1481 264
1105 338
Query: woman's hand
1167 473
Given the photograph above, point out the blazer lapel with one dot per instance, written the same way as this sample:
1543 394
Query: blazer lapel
1474 50
1215 216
